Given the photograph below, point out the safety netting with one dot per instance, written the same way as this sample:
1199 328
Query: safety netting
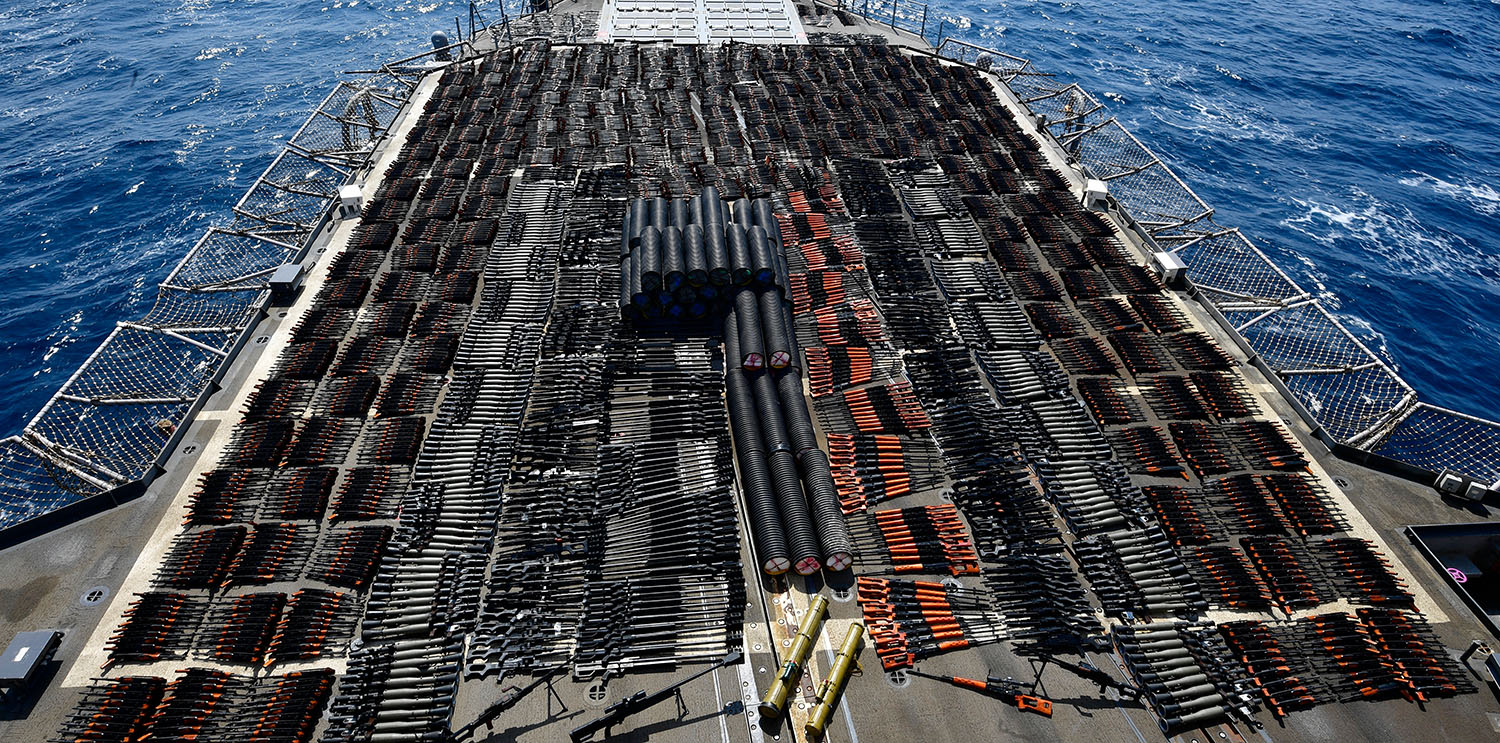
1438 439
113 420
1351 394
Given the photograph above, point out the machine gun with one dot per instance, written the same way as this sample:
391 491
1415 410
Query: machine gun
641 701
1089 672
508 698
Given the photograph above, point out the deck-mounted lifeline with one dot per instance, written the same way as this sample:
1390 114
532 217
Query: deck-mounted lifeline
1041 452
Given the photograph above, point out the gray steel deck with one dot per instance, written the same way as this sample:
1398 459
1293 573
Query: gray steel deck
51 582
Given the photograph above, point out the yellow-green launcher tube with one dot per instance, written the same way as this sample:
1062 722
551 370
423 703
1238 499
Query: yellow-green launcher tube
774 703
833 686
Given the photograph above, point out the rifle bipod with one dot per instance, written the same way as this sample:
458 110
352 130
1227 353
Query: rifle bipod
509 697
1086 671
641 701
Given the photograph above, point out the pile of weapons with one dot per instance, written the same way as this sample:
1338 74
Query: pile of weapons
239 628
627 557
396 690
1127 557
1136 569
912 620
926 539
1373 653
664 583
156 626
961 422
201 704
117 710
689 258
256 629
1186 673
773 705
873 468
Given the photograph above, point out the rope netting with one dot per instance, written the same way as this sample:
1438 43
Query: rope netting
1233 270
342 132
222 311
293 192
139 364
1436 439
1008 68
224 261
1353 394
29 487
116 443
112 420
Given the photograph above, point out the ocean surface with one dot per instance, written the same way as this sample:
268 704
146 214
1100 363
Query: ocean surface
1358 143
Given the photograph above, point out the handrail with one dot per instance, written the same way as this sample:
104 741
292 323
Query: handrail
902 16
112 425
1348 395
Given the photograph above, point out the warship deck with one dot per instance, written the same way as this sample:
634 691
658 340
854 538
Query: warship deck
502 254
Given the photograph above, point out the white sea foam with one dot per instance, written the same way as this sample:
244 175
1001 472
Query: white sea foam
66 337
1162 73
1481 197
1232 120
1367 334
1394 233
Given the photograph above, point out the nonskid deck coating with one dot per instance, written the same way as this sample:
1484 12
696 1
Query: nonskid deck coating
872 706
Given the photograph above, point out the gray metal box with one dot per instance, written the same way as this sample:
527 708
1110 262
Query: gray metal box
25 654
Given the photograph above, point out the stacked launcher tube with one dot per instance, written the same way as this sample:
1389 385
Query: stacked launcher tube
705 259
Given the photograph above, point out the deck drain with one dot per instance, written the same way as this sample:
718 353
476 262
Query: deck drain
261 340
1342 482
94 596
189 449
596 695
898 678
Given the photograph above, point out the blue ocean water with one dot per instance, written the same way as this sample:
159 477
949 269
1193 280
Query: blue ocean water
129 126
1357 143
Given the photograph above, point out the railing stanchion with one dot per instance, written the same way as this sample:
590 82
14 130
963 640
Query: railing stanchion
1364 408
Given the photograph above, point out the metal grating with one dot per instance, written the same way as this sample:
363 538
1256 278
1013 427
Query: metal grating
1349 394
116 419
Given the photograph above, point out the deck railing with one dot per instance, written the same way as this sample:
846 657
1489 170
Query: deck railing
1347 394
899 15
111 427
